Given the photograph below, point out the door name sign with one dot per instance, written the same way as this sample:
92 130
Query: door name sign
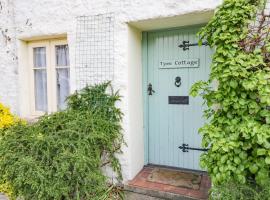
181 63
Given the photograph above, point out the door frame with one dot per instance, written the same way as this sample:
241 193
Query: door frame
145 83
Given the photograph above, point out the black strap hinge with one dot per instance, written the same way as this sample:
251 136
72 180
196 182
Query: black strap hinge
185 45
185 148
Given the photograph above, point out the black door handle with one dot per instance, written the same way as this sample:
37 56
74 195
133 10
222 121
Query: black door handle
150 90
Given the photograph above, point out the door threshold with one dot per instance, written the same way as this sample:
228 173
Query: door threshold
176 168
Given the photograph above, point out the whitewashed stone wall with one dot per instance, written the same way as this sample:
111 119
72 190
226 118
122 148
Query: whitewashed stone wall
29 18
24 19
267 7
50 17
8 56
34 18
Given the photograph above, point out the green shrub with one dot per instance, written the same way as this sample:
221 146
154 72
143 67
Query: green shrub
238 128
236 191
7 119
61 156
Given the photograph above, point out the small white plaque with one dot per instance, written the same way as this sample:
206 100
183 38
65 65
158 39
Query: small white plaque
179 63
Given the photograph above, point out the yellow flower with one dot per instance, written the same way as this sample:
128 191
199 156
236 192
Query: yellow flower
6 117
7 190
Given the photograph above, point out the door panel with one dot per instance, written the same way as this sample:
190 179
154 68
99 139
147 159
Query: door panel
171 125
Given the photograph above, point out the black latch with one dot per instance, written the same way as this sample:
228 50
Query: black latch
185 148
150 90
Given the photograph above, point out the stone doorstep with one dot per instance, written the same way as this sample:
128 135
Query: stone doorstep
141 185
146 194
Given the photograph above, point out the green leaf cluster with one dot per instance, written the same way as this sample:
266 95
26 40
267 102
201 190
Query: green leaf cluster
238 128
61 155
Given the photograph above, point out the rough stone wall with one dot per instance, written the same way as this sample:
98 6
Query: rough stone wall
8 56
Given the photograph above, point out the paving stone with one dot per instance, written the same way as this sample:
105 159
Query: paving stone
136 196
3 197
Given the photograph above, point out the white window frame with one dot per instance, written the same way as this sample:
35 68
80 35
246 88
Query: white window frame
51 74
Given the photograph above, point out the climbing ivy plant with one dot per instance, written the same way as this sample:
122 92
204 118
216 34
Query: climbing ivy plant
237 94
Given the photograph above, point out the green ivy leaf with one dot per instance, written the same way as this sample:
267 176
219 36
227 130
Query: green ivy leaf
261 152
267 160
253 168
233 84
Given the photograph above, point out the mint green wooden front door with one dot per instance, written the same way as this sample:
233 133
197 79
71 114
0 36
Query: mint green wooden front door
174 117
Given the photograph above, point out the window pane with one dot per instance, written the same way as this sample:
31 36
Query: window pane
40 57
62 87
41 90
62 55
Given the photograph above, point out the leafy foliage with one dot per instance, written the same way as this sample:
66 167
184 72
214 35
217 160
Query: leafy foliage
236 191
237 95
7 119
61 156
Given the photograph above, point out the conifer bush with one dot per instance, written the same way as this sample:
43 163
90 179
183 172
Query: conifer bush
61 156
7 119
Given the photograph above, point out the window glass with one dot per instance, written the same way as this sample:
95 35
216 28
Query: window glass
62 87
40 57
41 90
62 75
62 55
40 79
